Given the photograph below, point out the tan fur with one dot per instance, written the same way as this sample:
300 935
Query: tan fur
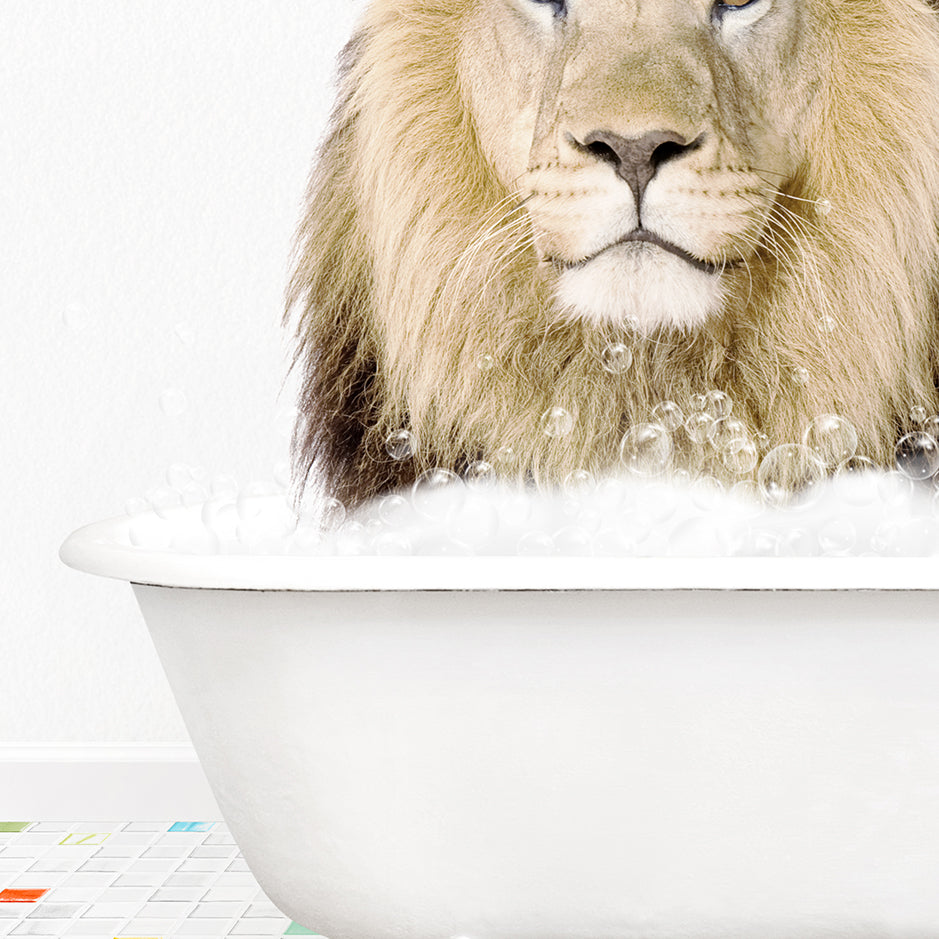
415 259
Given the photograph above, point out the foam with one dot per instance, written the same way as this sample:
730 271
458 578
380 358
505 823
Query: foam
856 514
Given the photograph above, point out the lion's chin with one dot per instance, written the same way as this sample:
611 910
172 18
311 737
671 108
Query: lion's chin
648 287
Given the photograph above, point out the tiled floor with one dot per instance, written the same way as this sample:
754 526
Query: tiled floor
132 880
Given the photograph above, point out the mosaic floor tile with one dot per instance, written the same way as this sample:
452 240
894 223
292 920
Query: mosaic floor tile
131 880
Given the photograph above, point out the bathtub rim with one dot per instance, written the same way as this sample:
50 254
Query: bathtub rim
102 548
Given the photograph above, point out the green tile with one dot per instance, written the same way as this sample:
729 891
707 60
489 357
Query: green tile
295 929
14 826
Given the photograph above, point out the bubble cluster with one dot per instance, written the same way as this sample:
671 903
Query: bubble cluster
694 479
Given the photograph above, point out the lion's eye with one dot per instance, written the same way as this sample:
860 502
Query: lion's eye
559 7
721 5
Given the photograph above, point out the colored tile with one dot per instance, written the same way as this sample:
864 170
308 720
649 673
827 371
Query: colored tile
86 838
21 896
14 826
295 929
191 826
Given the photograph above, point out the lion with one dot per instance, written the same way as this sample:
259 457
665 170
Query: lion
534 221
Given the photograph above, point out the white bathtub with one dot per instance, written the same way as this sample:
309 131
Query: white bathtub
486 748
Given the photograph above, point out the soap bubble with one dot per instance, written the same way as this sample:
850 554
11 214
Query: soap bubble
616 358
740 456
399 445
837 536
163 499
251 500
698 426
801 375
831 438
350 539
789 470
646 449
894 488
703 536
556 422
309 539
535 544
485 363
669 415
797 543
917 456
823 207
718 404
392 544
333 513
192 494
827 324
473 522
224 485
918 414
425 492
698 404
579 482
747 494
632 324
150 532
136 506
931 426
706 492
173 402
394 510
504 459
610 542
724 431
857 481
479 473
904 538
658 503
573 540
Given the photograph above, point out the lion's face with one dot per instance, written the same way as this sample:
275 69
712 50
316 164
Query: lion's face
510 187
648 140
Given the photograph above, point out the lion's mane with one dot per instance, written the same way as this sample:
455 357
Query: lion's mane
402 282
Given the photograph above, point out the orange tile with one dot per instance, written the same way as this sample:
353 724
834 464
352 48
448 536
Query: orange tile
21 896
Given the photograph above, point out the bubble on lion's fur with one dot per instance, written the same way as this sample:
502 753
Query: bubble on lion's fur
786 470
399 445
831 438
669 415
646 449
616 358
557 422
917 456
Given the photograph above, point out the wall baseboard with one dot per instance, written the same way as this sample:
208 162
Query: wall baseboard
103 782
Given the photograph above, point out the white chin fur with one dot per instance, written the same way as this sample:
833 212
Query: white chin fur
645 282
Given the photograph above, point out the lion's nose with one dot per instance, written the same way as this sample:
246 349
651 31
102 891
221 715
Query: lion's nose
637 159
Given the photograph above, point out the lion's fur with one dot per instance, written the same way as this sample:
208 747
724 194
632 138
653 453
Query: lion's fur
402 281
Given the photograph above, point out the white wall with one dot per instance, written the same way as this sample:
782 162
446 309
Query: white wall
153 157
